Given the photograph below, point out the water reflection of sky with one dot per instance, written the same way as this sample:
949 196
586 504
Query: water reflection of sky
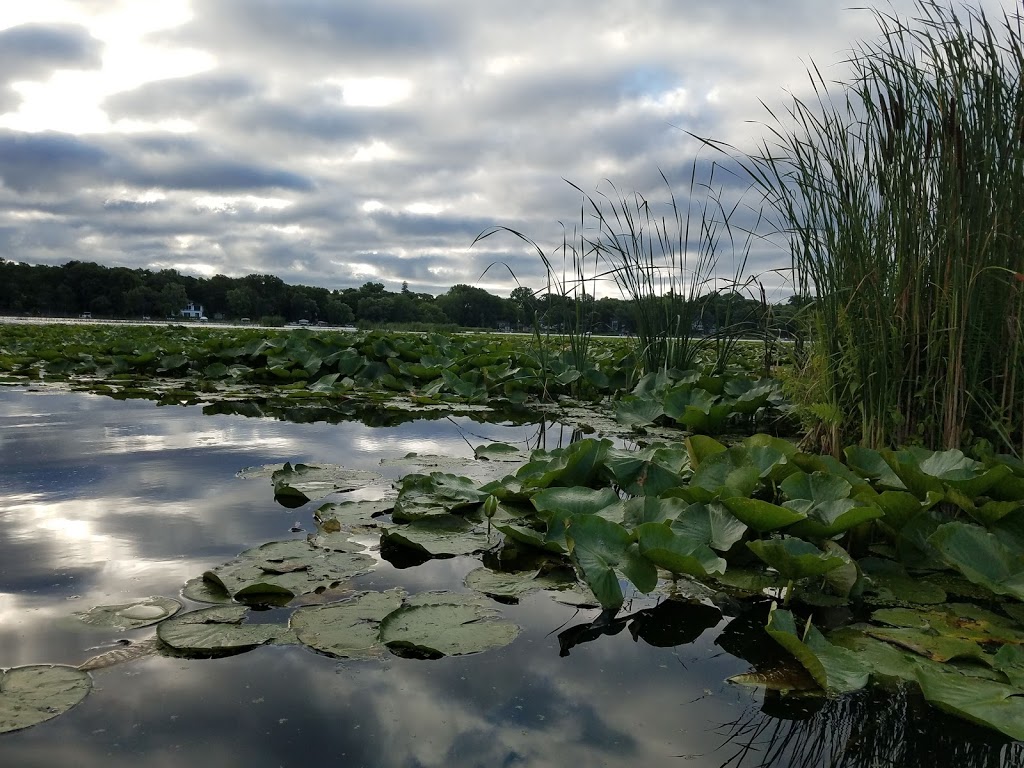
103 501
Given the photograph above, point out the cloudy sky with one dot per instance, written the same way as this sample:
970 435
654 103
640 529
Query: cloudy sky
332 142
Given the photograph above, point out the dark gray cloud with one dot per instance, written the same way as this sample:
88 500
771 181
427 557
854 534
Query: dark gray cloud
331 143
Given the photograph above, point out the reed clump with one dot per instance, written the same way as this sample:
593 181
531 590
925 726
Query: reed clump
901 190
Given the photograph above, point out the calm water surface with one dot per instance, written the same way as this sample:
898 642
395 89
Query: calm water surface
102 501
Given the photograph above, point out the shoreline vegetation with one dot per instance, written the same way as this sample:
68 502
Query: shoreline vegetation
891 529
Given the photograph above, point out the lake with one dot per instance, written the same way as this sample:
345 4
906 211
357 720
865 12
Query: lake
102 501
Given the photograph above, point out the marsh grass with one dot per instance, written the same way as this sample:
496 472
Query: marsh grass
902 192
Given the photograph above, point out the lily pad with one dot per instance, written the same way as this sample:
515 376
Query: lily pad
301 483
205 591
437 624
438 493
133 615
34 694
446 536
503 585
794 558
219 630
346 515
349 629
988 703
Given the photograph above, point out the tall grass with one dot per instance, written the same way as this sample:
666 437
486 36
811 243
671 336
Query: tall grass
663 258
902 191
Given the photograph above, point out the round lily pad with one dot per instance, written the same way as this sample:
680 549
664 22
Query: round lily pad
205 591
219 630
34 694
139 613
349 629
437 624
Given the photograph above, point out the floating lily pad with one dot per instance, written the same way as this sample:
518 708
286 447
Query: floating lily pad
34 694
349 629
988 703
888 583
298 484
435 494
504 585
346 515
219 630
291 567
205 591
122 654
139 613
446 536
436 624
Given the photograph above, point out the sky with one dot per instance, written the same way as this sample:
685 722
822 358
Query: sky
333 143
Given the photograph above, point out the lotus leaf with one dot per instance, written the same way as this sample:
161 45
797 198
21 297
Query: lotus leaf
872 465
677 554
699 447
1010 661
830 518
638 411
835 669
204 591
219 630
346 515
446 536
711 524
963 621
599 547
533 538
503 585
794 558
991 704
436 624
887 662
934 647
574 465
888 583
648 471
762 516
133 615
349 629
980 557
574 501
34 694
728 474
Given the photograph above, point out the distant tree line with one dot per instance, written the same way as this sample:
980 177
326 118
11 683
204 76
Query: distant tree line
118 292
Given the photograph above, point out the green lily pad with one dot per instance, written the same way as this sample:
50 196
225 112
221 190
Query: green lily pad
504 585
649 509
34 694
446 536
638 411
931 646
349 629
346 515
676 553
301 483
964 621
981 557
991 704
888 583
219 630
287 568
574 501
599 548
711 523
794 558
436 624
133 615
836 669
204 591
438 493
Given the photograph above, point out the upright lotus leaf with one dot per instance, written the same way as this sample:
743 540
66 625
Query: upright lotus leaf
1010 661
534 538
699 447
898 507
324 383
575 465
1009 529
693 408
817 487
728 474
762 516
349 629
133 615
825 500
436 624
34 694
991 704
447 536
651 509
980 557
510 586
219 630
638 411
675 553
712 524
649 471
842 580
751 395
574 501
829 465
794 558
836 669
435 494
870 464
204 591
599 548
992 512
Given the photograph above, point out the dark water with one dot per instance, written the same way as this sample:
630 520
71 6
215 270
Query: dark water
102 501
